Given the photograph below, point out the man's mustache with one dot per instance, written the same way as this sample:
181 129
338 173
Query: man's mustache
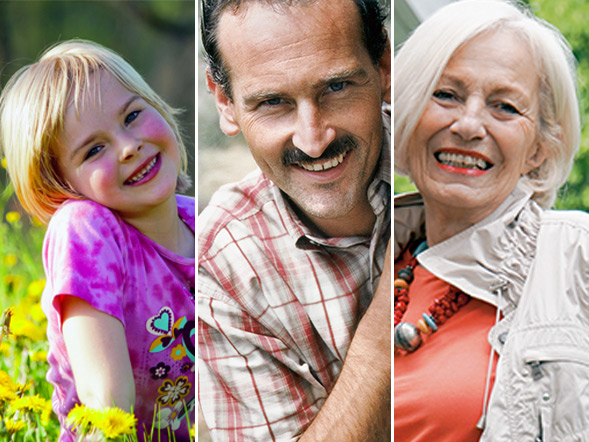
335 149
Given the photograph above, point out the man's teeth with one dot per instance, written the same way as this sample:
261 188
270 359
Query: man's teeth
329 164
464 161
143 172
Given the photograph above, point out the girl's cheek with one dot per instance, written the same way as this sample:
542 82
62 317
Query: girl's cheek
154 127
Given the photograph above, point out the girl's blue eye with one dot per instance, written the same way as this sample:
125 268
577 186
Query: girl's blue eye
93 151
131 117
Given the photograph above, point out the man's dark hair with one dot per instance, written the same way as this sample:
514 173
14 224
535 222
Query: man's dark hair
372 14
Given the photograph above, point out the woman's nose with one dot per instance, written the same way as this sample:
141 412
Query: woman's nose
470 120
312 133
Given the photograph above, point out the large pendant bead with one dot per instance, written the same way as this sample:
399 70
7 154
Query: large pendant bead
407 337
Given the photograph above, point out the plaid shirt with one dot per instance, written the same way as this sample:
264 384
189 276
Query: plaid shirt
278 306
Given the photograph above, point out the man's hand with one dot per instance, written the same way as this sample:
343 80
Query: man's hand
358 408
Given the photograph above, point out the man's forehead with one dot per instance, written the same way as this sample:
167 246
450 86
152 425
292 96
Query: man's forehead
257 29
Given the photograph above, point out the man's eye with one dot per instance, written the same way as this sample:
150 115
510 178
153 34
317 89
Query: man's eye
93 151
131 117
338 86
273 101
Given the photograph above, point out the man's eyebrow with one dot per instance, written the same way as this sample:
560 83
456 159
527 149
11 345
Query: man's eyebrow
252 100
93 135
347 74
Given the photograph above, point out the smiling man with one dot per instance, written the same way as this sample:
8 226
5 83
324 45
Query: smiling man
294 269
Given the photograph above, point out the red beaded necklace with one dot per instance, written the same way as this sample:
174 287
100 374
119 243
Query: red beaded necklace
407 335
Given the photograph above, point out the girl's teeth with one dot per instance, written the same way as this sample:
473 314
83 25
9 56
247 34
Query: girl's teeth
329 164
144 172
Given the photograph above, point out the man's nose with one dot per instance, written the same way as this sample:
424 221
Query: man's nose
470 121
312 133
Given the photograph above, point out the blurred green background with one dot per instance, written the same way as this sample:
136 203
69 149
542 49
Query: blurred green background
570 17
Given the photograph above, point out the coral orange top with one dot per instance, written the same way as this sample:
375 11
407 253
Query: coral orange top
439 388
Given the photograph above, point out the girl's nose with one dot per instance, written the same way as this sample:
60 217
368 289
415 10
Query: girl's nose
130 146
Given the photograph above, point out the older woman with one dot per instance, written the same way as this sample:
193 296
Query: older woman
492 289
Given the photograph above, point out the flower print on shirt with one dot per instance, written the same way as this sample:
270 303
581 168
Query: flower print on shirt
171 392
174 416
169 331
160 371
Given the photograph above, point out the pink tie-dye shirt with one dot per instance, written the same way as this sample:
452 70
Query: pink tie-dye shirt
91 253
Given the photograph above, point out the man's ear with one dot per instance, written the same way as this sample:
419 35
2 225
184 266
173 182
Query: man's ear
224 105
384 69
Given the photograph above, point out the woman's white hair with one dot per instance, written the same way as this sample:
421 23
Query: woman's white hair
423 57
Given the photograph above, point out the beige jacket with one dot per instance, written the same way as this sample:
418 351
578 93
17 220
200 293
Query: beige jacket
534 265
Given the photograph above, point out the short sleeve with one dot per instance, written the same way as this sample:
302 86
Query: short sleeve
83 257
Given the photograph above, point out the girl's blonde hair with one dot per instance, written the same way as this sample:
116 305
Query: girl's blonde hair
32 109
424 56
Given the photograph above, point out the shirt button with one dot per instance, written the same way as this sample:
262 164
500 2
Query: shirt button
525 373
546 397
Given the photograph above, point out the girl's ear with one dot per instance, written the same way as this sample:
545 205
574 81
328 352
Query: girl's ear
227 120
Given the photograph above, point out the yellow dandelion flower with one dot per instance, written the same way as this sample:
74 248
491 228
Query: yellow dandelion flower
39 356
20 389
13 217
25 328
37 313
114 422
81 417
6 380
14 426
4 163
37 222
35 288
6 394
32 404
10 260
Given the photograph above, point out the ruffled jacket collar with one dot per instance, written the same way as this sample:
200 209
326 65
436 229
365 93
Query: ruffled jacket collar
495 252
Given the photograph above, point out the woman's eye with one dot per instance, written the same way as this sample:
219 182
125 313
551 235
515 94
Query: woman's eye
93 151
131 117
509 108
444 95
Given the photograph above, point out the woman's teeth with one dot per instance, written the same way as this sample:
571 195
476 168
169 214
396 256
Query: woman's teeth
143 172
326 165
463 161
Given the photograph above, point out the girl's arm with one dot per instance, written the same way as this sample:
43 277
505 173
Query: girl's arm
98 354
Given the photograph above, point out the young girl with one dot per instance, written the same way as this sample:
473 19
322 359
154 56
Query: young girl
92 148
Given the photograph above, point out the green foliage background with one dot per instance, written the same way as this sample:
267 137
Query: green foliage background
570 17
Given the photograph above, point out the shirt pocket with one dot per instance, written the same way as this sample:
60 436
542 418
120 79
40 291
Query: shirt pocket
558 377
